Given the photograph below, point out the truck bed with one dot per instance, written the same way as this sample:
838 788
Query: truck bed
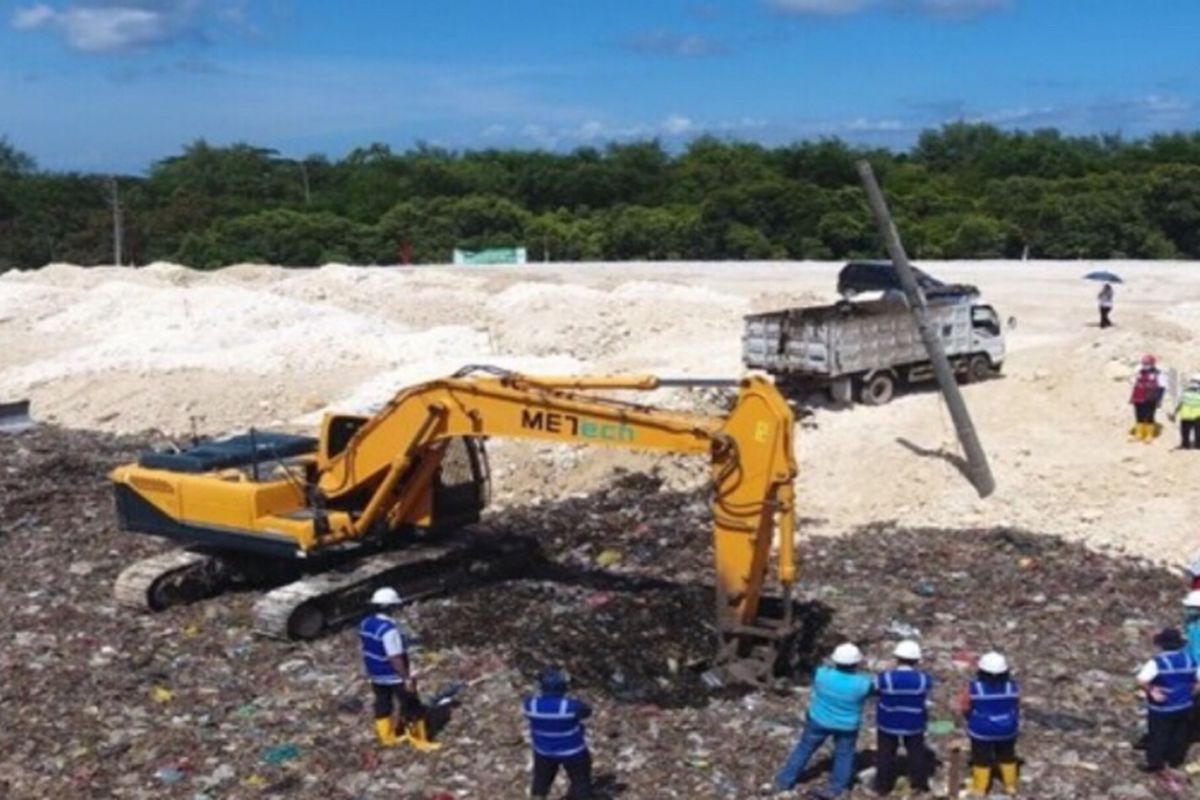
850 337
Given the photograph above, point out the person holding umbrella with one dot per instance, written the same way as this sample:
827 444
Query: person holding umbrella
1105 298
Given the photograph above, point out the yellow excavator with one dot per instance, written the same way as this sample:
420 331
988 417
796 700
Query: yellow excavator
389 499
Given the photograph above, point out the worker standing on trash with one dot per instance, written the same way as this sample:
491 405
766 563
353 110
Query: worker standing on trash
991 704
836 709
1188 412
399 715
557 734
901 715
1105 301
1169 682
1149 385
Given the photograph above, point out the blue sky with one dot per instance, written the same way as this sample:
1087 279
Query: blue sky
115 84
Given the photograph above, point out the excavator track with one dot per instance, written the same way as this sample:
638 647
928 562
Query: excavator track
169 579
307 608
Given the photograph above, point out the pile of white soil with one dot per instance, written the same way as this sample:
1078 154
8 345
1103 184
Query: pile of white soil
163 347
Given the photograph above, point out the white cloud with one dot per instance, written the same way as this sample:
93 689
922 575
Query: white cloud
676 125
864 125
820 7
958 9
28 19
938 9
117 26
669 43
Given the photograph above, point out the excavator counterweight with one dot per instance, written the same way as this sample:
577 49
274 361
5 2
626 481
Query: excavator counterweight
390 498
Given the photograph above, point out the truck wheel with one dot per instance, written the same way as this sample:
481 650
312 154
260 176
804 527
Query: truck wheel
878 390
978 369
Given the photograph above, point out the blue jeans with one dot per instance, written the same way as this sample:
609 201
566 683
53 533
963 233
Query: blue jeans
811 739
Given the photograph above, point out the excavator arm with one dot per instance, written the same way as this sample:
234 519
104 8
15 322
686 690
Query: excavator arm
394 456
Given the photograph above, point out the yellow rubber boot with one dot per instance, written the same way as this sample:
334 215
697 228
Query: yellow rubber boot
981 780
418 734
386 734
1008 774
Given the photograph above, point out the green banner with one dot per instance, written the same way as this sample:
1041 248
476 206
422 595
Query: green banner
492 255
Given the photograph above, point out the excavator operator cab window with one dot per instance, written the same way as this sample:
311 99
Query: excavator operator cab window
339 431
983 318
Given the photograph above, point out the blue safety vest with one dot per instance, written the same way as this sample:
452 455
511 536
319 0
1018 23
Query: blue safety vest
556 725
376 662
995 711
903 694
1177 677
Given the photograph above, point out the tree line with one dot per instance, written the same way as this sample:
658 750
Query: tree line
961 191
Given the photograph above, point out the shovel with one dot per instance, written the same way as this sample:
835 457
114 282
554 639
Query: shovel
14 417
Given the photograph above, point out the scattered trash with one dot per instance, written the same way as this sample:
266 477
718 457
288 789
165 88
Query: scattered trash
281 753
1058 721
446 695
608 558
924 588
941 727
169 775
902 630
673 721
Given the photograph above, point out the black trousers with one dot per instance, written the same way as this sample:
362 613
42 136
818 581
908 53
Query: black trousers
920 761
989 754
578 768
1189 433
1144 412
1104 320
389 696
1167 743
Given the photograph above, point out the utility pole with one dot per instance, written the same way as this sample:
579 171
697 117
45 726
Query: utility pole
304 177
979 473
117 221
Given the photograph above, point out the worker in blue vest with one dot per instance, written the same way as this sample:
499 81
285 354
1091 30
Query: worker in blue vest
901 715
399 715
558 737
835 711
1169 681
991 704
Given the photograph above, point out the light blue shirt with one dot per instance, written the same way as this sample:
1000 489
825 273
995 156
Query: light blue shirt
838 698
1191 629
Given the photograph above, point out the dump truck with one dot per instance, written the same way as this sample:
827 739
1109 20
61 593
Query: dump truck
866 345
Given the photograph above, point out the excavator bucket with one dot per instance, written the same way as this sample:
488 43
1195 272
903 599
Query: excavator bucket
14 417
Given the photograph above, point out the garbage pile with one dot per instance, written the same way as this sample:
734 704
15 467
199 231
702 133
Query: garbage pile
97 701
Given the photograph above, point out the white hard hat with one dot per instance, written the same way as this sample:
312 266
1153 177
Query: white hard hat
993 663
908 650
847 655
386 596
1193 599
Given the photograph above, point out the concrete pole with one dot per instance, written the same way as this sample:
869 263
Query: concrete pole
118 225
978 470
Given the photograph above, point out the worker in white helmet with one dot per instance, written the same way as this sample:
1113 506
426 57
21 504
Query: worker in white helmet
399 715
901 715
835 711
991 703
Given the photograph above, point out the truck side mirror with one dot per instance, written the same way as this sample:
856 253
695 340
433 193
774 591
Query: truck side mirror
1012 323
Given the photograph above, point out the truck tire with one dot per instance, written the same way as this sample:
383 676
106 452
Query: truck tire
878 390
979 369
